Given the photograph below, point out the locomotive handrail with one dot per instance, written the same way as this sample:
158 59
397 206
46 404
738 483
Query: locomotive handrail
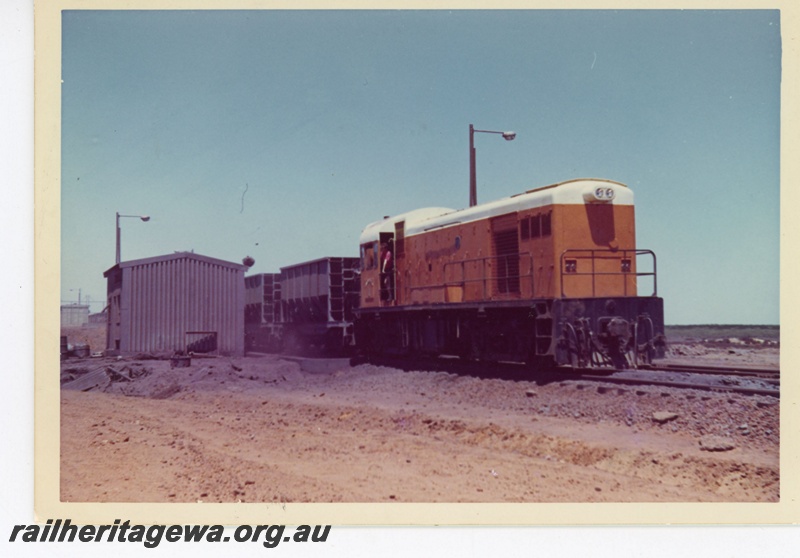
508 278
591 254
525 263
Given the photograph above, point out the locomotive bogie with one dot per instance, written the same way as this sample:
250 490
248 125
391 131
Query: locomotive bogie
624 332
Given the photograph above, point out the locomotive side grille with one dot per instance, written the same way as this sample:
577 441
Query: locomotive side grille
505 242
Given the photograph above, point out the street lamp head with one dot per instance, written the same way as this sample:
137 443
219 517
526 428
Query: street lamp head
473 194
146 218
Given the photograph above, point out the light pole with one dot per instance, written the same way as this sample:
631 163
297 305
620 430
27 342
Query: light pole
79 295
144 218
473 186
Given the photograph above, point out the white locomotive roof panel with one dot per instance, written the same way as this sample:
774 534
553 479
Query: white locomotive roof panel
572 192
372 231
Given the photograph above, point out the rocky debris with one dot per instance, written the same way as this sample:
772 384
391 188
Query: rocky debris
743 342
149 356
71 373
103 377
180 361
716 443
744 429
664 416
693 413
166 392
385 427
127 373
687 350
97 379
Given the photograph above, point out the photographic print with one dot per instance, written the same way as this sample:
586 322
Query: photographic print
501 259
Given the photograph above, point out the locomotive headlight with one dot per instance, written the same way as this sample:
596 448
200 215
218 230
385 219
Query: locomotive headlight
602 194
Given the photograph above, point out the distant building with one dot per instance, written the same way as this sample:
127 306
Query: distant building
74 315
177 302
99 318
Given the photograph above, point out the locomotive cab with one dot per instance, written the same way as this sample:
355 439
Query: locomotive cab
382 242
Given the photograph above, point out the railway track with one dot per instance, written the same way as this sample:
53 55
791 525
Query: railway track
766 373
746 381
772 389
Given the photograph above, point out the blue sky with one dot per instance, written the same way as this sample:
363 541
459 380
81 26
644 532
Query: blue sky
280 134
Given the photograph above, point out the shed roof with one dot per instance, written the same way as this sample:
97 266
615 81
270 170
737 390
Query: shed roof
175 256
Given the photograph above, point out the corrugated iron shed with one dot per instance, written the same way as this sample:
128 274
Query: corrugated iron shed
176 302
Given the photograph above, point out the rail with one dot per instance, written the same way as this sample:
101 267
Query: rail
571 268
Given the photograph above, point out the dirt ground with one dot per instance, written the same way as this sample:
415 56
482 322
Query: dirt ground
264 429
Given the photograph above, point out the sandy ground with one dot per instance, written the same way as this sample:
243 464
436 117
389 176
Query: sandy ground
262 429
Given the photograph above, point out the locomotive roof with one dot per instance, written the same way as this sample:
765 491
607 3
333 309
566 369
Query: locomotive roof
571 192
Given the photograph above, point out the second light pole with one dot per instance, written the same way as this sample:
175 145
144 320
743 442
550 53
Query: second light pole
473 185
144 218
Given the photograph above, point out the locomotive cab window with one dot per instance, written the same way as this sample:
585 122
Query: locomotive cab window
536 226
368 259
546 223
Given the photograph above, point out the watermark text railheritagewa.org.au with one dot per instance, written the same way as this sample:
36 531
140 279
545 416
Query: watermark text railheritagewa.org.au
151 536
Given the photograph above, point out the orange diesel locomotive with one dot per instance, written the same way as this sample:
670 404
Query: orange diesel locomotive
550 277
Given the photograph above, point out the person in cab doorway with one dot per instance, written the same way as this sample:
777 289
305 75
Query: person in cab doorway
387 271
